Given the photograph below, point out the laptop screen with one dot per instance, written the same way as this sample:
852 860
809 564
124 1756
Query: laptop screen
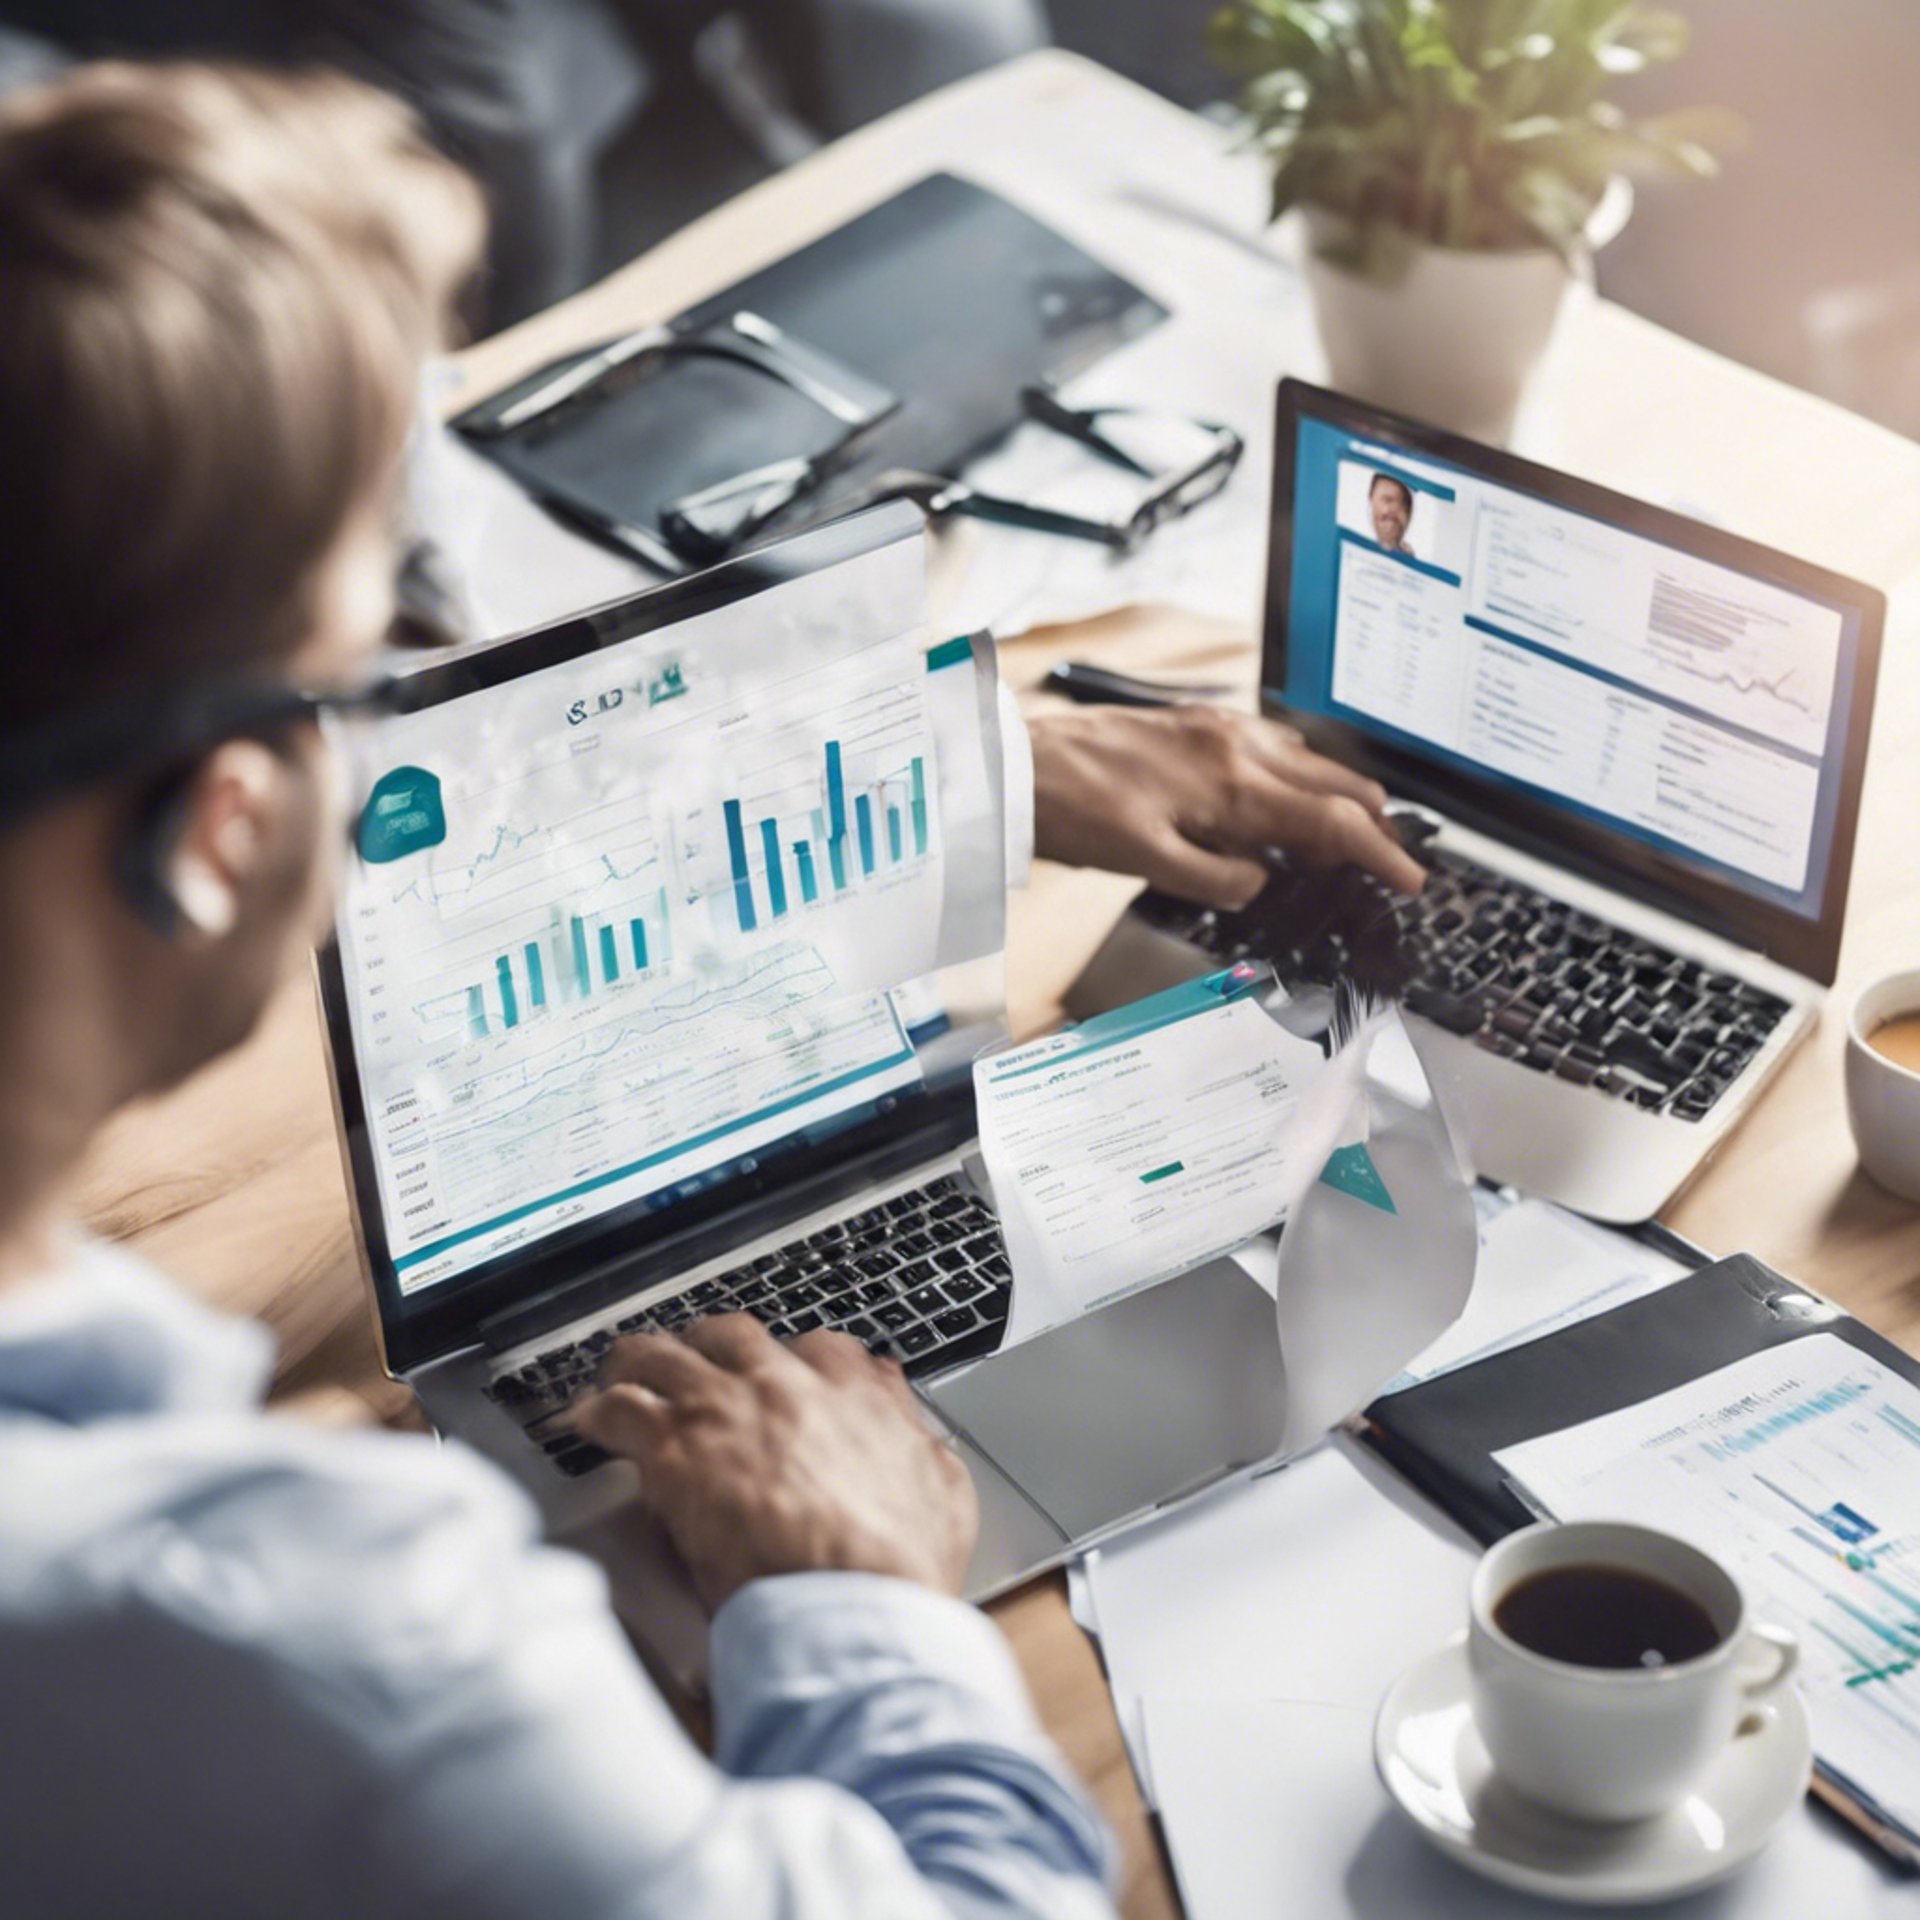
631 930
1665 699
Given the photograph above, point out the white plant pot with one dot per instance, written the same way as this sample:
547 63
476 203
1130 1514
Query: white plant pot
1451 342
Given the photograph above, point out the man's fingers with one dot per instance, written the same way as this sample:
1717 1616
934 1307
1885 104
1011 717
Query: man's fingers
1323 829
1174 864
1314 773
659 1362
627 1420
1354 836
838 1356
1285 753
735 1342
893 1376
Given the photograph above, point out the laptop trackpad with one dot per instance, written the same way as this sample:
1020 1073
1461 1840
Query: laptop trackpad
1131 1406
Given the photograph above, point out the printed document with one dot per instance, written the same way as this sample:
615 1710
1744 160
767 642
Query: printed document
1799 1468
1139 1144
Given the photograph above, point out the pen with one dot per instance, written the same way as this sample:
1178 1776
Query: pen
1862 1813
1101 686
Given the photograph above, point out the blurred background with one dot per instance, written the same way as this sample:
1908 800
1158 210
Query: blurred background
603 125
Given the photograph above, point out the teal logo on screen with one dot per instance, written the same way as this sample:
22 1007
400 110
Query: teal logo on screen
404 814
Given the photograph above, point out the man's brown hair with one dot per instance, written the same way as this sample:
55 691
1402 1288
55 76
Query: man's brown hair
216 287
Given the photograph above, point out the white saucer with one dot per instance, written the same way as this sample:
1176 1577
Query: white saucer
1429 1755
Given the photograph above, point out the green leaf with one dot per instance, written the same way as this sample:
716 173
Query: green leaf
1483 123
1551 209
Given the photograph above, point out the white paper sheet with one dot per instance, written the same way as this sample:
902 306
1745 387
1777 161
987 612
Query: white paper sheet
1799 1468
1306 1583
1141 1143
1220 364
1540 1269
1272 1812
1378 1256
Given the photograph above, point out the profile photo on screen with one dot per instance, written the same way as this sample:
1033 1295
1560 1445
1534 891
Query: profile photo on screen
1390 507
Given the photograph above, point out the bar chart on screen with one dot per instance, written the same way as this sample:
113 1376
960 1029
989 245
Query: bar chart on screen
823 816
601 946
510 921
1800 1468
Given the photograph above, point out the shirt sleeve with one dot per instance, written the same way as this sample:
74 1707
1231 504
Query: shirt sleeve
910 1702
1016 757
876 1752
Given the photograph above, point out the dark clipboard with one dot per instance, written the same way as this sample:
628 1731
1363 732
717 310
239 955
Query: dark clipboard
1442 1435
947 296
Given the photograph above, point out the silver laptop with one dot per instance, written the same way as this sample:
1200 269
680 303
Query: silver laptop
597 1159
1628 748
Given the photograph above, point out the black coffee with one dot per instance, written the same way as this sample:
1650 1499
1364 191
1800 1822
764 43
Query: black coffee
1605 1617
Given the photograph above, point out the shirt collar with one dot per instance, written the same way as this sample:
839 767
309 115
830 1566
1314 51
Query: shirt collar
107 1338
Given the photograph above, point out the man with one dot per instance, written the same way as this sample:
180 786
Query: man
247 1668
1390 501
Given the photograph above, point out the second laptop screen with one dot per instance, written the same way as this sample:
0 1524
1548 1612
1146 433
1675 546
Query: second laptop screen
1489 630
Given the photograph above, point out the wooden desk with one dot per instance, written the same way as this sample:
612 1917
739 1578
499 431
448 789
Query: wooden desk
234 1182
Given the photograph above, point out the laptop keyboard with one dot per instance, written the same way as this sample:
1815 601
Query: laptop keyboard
1524 975
922 1277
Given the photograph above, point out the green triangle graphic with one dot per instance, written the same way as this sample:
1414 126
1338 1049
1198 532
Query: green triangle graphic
1351 1171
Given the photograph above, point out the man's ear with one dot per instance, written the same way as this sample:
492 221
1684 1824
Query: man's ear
222 831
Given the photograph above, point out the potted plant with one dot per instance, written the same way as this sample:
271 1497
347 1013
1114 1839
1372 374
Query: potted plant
1455 162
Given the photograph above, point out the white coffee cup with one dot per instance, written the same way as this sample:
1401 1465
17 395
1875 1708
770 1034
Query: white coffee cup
1883 1098
1614 1743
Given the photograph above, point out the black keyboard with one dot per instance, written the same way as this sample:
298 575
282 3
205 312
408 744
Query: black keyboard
923 1277
1524 975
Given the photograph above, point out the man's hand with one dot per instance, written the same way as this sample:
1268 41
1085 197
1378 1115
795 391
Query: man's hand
1190 797
760 1458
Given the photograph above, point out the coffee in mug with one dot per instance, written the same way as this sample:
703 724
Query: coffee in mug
1610 1665
1898 1040
1600 1616
1883 1081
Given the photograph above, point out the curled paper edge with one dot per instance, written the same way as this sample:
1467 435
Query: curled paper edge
1361 1288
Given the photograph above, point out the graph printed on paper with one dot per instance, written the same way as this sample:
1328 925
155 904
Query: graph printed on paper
1800 1468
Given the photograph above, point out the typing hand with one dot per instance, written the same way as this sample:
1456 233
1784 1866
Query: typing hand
1190 797
761 1458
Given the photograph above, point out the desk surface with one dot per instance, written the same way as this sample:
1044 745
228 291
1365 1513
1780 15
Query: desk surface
234 1184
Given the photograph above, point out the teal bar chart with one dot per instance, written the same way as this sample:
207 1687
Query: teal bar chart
782 859
585 952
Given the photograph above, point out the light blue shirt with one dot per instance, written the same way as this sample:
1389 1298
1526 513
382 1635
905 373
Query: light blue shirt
252 1668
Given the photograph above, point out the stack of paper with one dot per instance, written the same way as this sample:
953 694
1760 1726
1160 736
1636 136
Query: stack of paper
1308 1583
1541 1269
1271 1809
